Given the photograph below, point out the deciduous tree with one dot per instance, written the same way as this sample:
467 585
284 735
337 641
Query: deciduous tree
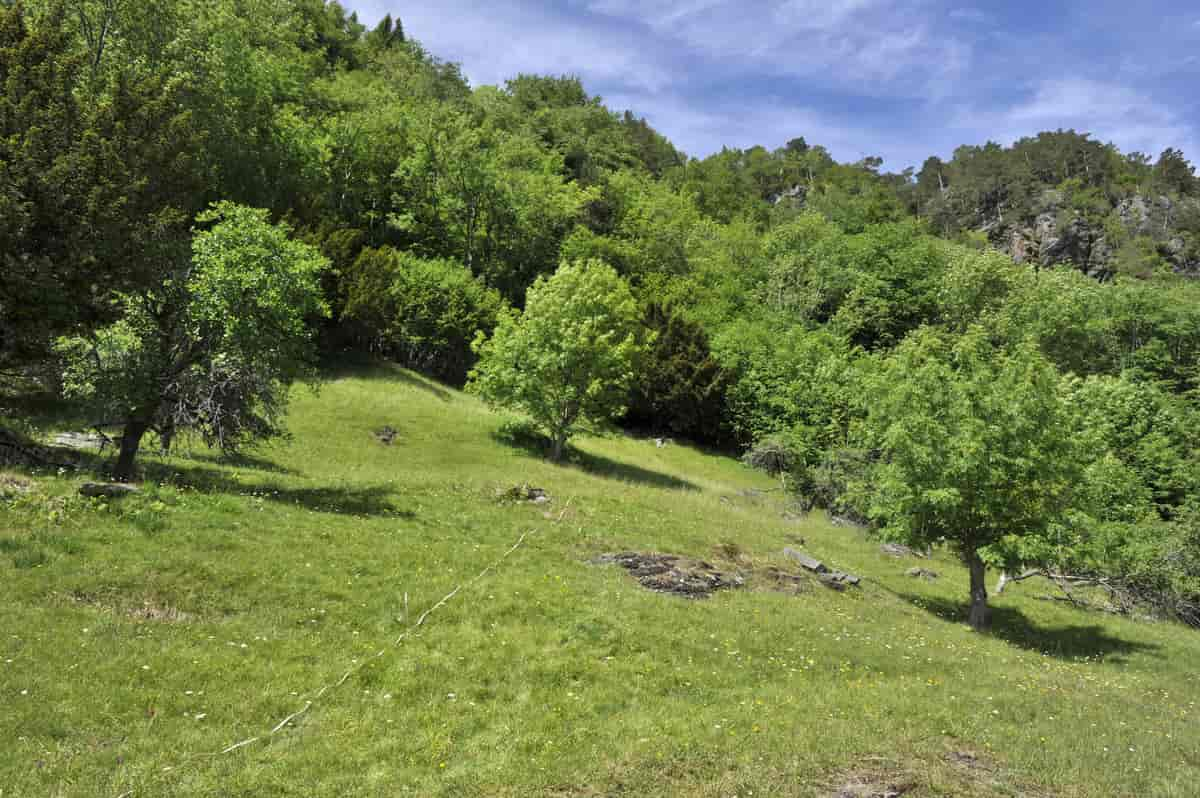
569 358
214 347
977 451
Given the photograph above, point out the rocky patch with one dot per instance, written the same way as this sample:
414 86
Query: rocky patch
523 493
838 580
674 574
82 440
386 435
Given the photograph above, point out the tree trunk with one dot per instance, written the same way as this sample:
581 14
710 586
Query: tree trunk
560 443
131 439
980 616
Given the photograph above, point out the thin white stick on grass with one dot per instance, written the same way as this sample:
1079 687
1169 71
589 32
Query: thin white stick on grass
407 632
291 717
242 744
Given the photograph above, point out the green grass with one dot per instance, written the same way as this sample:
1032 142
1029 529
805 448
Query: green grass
140 637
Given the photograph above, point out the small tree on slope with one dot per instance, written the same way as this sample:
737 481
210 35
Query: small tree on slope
214 347
978 451
569 358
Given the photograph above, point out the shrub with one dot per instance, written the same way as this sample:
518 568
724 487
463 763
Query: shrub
424 313
680 387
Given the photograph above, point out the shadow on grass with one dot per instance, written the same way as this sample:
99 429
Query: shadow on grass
361 367
372 501
532 442
1092 641
239 460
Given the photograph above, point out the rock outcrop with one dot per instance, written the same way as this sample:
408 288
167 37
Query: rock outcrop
1058 235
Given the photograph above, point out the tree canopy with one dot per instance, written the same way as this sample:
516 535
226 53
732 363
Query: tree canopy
570 357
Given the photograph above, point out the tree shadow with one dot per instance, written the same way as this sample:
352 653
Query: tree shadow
363 368
1090 641
529 440
236 460
372 501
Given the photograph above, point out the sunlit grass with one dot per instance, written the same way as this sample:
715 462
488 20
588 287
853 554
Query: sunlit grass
138 638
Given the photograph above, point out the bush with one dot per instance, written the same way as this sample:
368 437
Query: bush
424 313
680 387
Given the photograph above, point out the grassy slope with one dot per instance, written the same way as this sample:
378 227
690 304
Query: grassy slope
550 676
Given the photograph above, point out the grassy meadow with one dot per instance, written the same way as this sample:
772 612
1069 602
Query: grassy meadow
141 637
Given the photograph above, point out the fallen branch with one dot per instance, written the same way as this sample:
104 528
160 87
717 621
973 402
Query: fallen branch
1005 579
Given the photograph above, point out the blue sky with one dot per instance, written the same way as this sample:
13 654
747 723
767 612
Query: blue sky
902 79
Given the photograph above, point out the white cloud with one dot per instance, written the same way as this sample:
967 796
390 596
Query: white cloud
1110 112
497 43
769 122
899 78
872 46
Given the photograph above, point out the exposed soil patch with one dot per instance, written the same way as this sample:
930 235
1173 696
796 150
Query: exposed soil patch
12 485
786 582
868 784
148 609
152 611
980 770
671 573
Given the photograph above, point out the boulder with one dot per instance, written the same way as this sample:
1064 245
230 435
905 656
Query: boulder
106 489
806 562
922 573
81 440
897 550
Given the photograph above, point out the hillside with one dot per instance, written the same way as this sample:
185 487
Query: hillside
142 636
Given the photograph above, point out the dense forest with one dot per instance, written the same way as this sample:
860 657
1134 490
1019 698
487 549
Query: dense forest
1000 351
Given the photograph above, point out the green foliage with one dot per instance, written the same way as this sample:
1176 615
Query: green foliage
873 286
1151 433
425 313
492 199
120 121
680 387
977 450
96 190
215 347
798 381
569 358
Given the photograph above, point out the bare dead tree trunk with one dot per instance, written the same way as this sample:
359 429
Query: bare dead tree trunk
980 616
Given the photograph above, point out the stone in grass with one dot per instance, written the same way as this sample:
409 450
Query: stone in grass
898 550
107 490
835 579
524 493
806 562
922 573
386 436
838 580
